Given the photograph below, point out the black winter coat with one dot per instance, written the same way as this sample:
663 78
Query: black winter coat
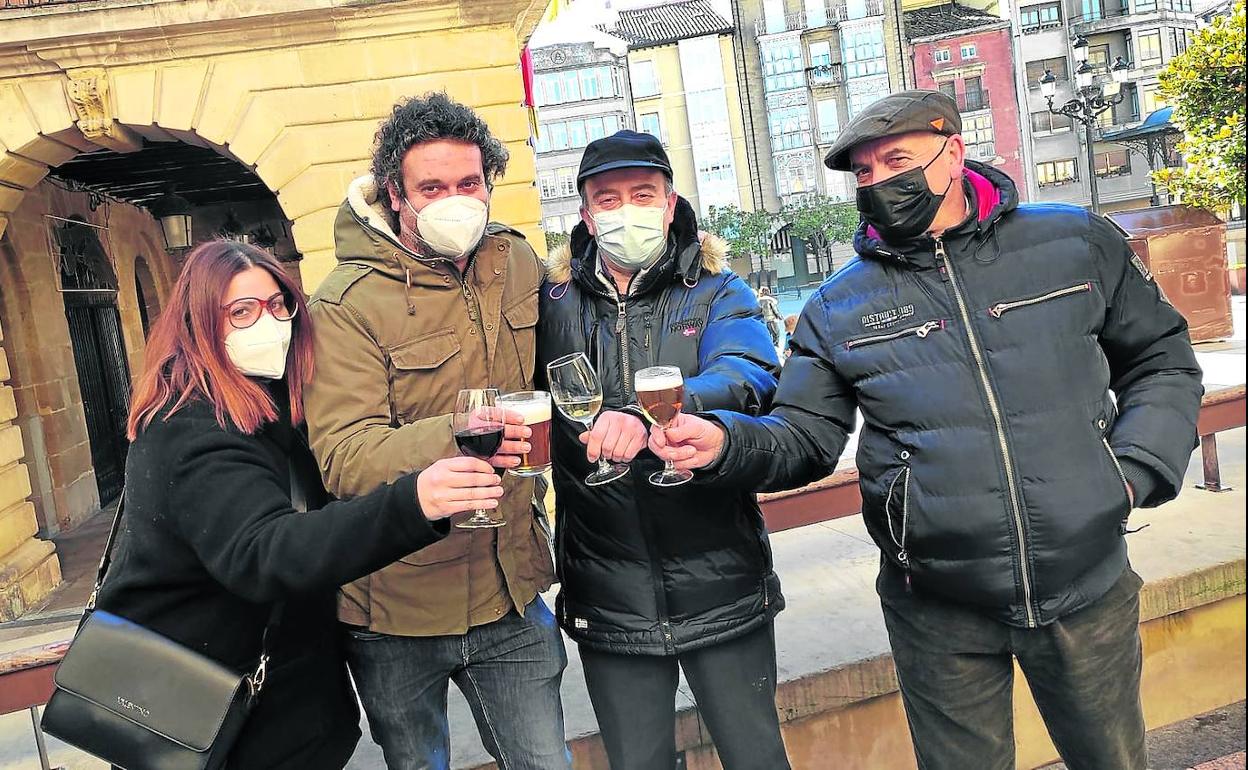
647 570
210 540
1013 377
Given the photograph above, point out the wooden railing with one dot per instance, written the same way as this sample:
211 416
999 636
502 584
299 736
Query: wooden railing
26 675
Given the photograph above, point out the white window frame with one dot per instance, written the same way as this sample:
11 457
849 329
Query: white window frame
972 47
942 56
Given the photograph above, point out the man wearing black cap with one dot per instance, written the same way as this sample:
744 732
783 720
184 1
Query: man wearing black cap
1023 385
655 580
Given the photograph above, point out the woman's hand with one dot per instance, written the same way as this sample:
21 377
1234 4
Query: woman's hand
455 485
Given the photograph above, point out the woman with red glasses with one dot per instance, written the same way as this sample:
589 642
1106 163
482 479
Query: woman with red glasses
225 516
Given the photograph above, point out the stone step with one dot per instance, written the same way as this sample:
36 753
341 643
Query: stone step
27 576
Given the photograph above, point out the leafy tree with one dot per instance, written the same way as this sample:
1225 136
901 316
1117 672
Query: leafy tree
555 240
748 233
821 222
1206 86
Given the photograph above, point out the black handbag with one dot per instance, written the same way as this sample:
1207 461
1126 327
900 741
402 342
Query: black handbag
141 701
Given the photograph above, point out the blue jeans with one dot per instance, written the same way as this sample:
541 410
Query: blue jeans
509 672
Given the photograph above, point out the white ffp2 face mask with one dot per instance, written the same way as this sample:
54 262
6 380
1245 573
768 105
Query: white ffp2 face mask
260 349
632 237
451 226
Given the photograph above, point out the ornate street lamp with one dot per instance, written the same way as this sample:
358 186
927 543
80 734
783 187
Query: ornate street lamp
1090 102
174 214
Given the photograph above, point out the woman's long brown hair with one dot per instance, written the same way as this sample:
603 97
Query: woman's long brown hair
186 356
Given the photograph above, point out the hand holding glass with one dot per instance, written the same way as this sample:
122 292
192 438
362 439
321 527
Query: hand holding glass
578 394
661 393
478 428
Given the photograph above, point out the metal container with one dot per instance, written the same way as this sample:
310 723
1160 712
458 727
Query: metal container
1184 249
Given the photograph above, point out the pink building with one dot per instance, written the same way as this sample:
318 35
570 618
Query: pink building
967 53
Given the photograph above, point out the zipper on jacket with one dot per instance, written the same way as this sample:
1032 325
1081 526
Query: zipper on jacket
621 333
1001 308
903 555
999 423
921 331
1102 425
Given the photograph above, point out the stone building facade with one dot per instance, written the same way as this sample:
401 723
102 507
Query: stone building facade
289 91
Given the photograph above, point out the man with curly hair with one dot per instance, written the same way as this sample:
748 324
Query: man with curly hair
430 297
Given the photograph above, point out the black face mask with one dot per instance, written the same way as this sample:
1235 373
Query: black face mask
902 207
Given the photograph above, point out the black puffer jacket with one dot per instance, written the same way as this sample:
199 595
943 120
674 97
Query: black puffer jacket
993 460
645 570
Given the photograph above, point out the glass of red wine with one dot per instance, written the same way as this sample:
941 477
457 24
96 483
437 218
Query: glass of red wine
478 428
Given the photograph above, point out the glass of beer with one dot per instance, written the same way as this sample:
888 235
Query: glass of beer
578 393
534 406
661 392
478 428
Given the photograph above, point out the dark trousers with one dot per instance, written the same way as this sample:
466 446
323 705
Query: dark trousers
956 670
734 683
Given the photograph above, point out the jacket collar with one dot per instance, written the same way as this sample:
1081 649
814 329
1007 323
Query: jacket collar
688 254
364 233
992 196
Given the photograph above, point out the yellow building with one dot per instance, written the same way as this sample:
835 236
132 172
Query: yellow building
684 83
257 113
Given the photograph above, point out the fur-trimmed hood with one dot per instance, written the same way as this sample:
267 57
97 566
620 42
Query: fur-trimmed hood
714 258
695 251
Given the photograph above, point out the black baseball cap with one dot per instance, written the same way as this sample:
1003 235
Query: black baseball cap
899 113
623 149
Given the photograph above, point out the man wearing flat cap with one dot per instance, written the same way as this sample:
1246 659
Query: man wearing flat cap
1024 385
659 579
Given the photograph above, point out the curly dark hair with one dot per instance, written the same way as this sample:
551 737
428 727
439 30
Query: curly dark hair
426 118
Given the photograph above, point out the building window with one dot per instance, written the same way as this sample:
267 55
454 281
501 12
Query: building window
547 186
863 52
949 89
816 14
789 127
1149 47
1113 163
645 78
773 12
976 97
1145 6
1098 57
649 124
575 134
1035 70
829 125
1045 122
1038 17
567 181
979 138
1151 100
821 54
1056 172
553 225
1092 10
969 51
942 56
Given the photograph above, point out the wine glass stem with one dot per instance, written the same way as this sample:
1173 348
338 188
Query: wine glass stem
604 465
668 465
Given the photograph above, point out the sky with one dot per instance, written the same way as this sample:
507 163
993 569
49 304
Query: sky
576 23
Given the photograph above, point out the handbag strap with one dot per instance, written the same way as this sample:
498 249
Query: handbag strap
255 680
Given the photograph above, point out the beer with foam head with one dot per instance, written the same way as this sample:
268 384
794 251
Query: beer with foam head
534 405
660 393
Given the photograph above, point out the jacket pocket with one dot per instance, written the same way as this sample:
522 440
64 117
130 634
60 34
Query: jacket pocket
921 331
1102 427
423 368
522 321
1001 308
897 513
